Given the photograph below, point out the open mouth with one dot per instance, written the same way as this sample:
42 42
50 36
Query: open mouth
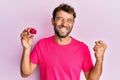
63 28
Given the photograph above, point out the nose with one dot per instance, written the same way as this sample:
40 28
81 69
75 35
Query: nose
64 22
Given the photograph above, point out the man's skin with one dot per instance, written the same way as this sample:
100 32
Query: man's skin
67 20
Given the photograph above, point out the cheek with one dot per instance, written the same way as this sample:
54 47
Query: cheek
56 24
71 25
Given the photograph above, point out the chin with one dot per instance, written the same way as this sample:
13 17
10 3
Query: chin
62 36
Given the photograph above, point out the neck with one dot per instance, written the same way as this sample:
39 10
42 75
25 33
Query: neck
62 41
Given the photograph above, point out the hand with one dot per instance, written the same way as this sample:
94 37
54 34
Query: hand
99 50
26 38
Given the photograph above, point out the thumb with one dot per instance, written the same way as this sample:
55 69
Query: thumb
31 36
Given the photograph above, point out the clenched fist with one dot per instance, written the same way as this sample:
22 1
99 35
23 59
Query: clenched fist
99 49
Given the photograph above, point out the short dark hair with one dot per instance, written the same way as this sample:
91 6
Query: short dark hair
65 7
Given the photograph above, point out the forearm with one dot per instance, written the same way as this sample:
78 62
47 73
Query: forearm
96 72
25 63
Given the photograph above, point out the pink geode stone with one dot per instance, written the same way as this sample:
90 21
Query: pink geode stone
32 31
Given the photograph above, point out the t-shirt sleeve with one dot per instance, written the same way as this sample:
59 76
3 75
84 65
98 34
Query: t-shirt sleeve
34 55
87 62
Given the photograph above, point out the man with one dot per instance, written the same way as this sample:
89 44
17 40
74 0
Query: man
61 57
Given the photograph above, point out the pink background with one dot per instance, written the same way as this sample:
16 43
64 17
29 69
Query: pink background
96 19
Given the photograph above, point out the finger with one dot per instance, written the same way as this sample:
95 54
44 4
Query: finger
95 48
102 43
26 31
24 35
97 43
30 36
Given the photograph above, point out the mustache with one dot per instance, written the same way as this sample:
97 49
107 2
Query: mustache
62 26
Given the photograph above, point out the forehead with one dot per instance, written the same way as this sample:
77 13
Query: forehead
64 14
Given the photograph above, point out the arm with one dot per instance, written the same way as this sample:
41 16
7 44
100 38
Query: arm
96 71
26 66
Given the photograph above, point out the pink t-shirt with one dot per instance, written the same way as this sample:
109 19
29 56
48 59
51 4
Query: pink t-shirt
61 62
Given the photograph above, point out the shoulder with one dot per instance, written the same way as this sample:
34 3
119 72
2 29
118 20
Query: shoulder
44 43
43 40
80 43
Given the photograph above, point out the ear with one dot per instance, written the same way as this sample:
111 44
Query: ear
52 21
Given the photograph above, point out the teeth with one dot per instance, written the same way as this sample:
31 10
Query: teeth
63 29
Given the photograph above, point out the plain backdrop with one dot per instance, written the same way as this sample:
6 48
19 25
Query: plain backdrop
96 20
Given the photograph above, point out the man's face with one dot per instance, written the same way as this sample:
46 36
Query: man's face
63 24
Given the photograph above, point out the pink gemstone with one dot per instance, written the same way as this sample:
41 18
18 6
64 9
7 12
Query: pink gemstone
32 31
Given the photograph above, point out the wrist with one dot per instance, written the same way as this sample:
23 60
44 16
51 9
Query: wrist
26 50
99 60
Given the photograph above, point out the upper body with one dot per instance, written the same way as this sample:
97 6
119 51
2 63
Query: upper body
61 62
63 21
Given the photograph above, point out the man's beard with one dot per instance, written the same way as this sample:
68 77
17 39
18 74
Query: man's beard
57 32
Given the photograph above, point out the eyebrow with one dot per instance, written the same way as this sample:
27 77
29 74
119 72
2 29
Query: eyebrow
63 17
